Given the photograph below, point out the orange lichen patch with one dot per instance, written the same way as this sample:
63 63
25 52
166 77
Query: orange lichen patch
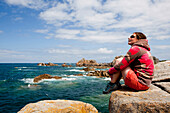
59 106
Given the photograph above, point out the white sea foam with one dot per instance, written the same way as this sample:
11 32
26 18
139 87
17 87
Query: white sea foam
24 67
31 80
80 67
64 75
76 70
70 79
21 67
2 80
53 79
75 76
106 79
27 80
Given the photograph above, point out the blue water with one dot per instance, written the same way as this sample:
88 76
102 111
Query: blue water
18 89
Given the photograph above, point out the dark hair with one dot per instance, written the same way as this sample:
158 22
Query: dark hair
140 35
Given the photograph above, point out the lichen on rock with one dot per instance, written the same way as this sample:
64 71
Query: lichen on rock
59 106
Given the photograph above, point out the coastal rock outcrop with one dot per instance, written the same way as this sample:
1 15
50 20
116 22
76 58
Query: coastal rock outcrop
65 65
59 106
45 76
162 71
153 100
48 64
84 62
162 76
88 69
99 73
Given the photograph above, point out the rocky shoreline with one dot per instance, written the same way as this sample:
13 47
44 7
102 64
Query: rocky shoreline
154 100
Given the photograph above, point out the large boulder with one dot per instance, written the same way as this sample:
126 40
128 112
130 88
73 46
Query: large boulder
162 71
48 64
88 69
65 65
45 76
153 100
59 106
163 85
84 62
99 73
51 64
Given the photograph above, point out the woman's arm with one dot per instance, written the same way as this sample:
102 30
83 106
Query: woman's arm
127 59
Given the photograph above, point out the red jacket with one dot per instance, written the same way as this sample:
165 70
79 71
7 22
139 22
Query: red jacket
140 60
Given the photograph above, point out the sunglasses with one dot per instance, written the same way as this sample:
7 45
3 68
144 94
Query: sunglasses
132 36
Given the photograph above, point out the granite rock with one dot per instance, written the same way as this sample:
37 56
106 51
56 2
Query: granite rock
88 69
163 85
48 64
65 65
84 62
162 71
45 76
99 73
126 100
59 106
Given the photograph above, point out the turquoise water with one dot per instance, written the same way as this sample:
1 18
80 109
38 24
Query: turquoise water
17 88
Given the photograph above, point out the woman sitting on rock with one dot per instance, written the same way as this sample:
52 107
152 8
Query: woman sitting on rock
136 67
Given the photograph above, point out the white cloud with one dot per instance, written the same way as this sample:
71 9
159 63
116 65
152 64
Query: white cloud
103 21
93 36
1 31
41 30
67 34
161 46
80 51
104 50
56 14
64 46
150 17
34 4
57 51
7 52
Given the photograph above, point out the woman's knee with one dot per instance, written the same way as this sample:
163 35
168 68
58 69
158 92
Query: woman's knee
118 60
125 71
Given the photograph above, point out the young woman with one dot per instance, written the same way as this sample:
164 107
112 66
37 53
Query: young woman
136 67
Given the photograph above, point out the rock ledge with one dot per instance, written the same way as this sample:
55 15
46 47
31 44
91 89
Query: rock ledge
153 100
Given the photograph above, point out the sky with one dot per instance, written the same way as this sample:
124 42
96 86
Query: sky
59 31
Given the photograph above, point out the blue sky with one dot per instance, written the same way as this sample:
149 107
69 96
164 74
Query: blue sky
59 31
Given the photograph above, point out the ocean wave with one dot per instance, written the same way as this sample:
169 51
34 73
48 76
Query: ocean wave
2 81
28 80
80 67
31 80
76 70
24 67
69 79
75 76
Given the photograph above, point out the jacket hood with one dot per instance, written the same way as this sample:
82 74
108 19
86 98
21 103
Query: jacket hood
142 43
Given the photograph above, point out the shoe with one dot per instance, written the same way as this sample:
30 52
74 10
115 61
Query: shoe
111 87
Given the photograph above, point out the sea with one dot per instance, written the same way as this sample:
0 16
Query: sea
17 88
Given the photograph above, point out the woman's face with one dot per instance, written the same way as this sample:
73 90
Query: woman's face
132 39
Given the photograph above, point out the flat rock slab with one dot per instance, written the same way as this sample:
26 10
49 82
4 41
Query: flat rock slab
153 100
162 72
59 106
163 85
